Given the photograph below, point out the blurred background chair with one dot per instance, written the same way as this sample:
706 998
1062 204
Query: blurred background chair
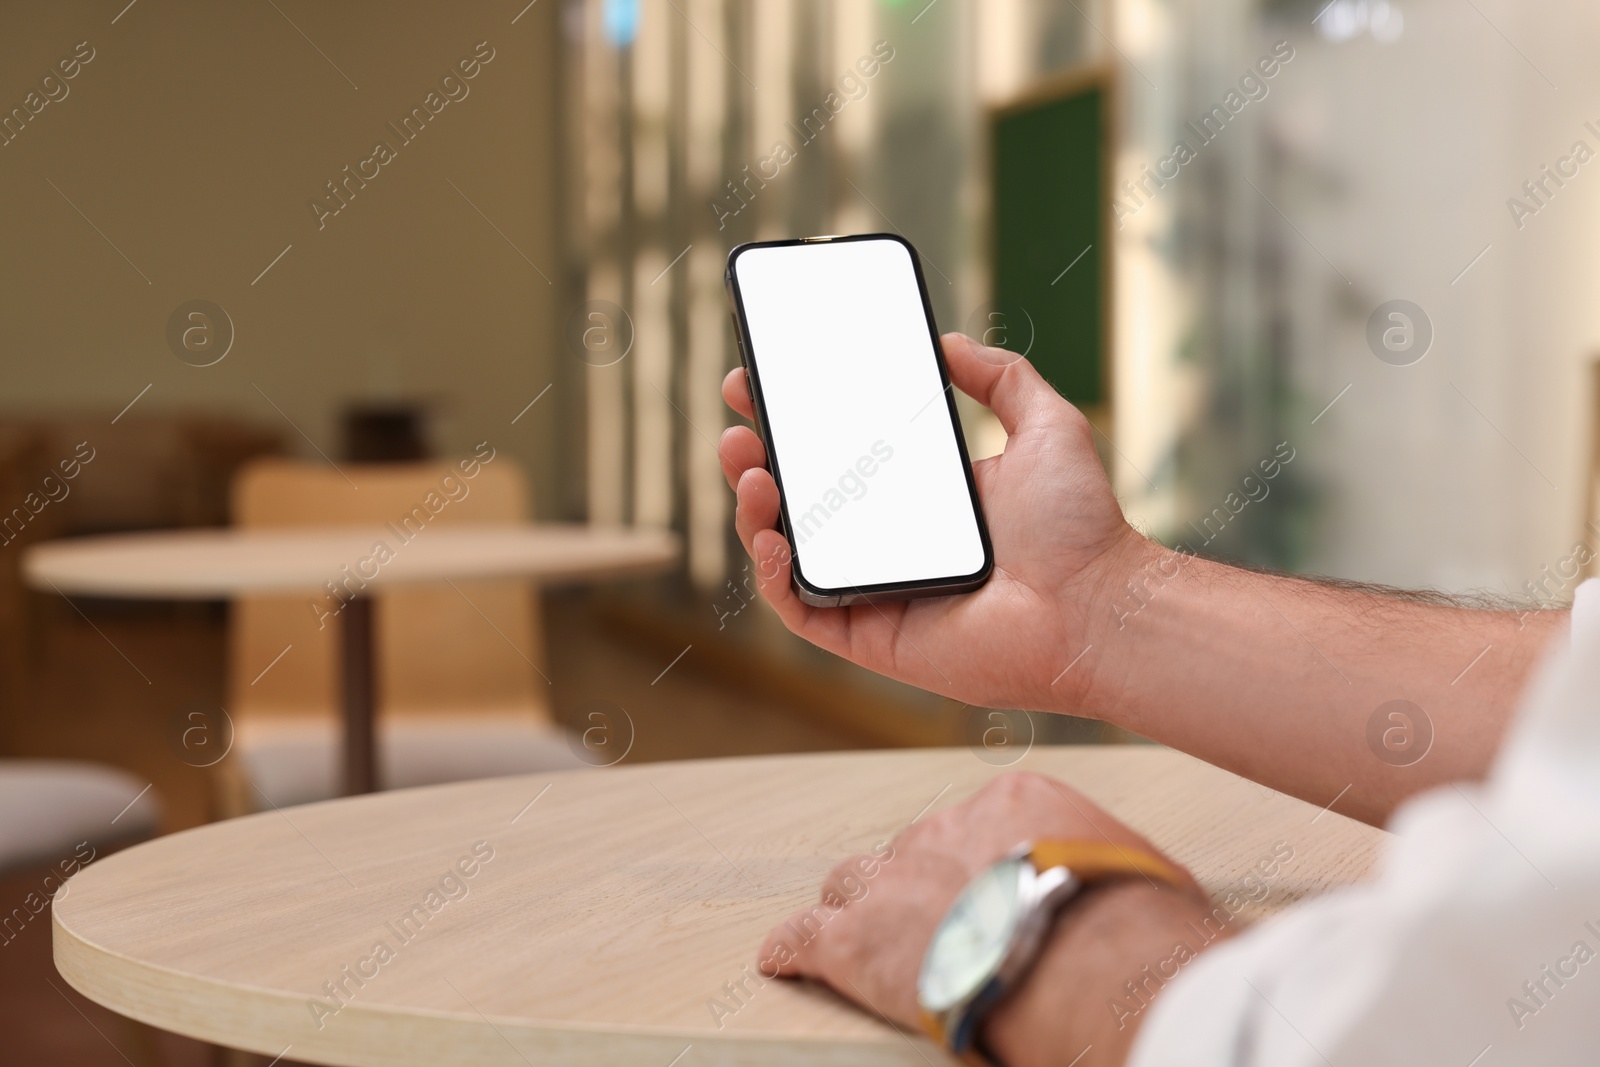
462 691
55 817
23 456
50 808
131 472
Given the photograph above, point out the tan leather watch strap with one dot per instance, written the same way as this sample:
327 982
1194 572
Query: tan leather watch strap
1098 861
933 1026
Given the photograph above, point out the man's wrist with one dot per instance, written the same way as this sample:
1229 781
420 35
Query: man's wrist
1101 599
1112 950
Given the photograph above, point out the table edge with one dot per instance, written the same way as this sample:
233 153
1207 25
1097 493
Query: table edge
140 990
667 550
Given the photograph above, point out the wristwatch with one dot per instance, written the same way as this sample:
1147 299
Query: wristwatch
996 927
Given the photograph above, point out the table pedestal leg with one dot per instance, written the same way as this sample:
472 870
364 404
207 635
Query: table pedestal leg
359 670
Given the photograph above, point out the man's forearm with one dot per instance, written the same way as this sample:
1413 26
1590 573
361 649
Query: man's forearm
1285 680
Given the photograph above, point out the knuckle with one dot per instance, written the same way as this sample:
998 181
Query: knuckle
1006 784
1019 785
1076 424
930 826
842 870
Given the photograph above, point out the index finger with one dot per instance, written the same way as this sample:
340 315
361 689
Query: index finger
736 391
788 950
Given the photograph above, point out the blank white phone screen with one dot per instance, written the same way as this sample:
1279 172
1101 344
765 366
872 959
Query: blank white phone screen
861 432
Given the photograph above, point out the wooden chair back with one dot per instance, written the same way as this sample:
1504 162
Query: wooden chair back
467 648
28 514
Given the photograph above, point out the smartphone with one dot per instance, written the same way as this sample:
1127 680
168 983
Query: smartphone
854 403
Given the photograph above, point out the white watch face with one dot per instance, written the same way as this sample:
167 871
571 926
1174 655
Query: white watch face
972 940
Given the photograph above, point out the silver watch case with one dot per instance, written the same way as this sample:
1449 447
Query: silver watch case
1040 894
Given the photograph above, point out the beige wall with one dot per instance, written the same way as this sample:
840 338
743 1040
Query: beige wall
195 139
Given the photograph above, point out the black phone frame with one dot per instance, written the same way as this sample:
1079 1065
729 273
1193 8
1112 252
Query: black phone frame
841 597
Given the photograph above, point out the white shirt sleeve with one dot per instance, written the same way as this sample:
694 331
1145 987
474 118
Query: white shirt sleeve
1478 945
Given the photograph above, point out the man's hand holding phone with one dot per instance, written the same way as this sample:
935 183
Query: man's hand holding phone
1060 544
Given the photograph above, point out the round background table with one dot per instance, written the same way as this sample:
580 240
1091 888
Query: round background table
221 564
609 916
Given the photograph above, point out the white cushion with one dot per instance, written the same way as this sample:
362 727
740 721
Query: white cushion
48 807
296 760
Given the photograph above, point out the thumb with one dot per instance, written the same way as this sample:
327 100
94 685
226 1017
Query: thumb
1001 381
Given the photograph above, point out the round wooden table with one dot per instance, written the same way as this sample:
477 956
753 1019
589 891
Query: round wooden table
595 916
221 564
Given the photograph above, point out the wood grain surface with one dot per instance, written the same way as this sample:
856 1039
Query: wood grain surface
218 564
608 913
